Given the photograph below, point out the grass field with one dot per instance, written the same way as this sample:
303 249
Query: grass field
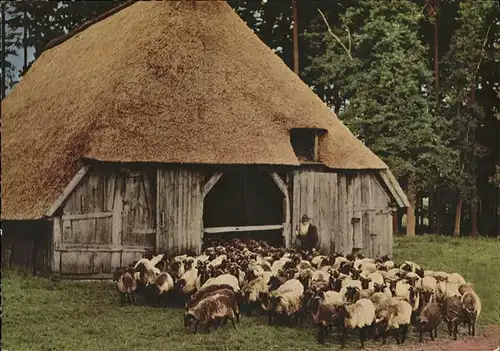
39 314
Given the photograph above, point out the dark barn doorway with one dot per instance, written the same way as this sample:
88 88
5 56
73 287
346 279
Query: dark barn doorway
242 199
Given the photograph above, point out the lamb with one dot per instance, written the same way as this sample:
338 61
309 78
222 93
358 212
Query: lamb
228 279
430 319
127 285
212 308
359 315
396 318
472 309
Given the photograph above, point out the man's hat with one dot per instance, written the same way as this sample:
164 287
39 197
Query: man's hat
305 218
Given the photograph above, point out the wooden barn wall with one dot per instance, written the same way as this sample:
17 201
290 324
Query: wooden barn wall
350 210
27 245
106 222
180 210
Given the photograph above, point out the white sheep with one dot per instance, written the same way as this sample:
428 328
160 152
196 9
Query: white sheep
278 265
338 261
227 279
375 278
456 278
187 283
397 317
359 315
451 289
472 309
320 275
292 285
316 261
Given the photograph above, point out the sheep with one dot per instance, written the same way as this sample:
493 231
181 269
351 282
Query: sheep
201 294
210 309
228 279
453 314
428 284
285 304
316 261
187 283
456 278
292 285
127 285
381 302
164 283
451 289
472 309
465 287
350 283
430 319
375 278
251 291
359 315
325 312
396 318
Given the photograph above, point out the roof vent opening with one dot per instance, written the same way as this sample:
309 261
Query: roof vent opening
305 144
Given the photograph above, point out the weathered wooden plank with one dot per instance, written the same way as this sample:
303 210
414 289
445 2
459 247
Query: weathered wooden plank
211 182
309 209
77 262
334 213
390 235
295 204
102 262
242 228
102 248
357 229
159 199
394 187
67 231
91 215
342 239
56 240
279 182
350 213
103 230
67 190
323 211
117 219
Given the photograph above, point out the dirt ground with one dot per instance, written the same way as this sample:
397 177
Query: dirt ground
486 340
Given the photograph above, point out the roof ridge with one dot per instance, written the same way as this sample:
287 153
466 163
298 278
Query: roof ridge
61 39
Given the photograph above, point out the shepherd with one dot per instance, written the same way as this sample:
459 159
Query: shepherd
307 234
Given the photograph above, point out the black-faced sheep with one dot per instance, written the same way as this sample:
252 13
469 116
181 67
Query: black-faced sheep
325 312
453 314
430 319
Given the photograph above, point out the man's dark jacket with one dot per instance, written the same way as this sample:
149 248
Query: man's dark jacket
310 241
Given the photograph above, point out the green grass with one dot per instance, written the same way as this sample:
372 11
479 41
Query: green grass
39 314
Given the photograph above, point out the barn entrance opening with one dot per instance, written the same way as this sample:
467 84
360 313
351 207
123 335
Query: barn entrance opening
245 204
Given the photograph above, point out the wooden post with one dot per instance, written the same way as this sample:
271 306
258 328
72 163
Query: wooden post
410 212
116 234
295 38
286 203
56 241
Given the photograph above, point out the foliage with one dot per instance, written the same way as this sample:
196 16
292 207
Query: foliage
495 179
468 50
40 314
385 87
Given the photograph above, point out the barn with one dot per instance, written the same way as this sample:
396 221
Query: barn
165 123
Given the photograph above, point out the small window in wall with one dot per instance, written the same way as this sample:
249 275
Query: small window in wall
305 144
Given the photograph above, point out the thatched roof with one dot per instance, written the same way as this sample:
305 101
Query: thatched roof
158 82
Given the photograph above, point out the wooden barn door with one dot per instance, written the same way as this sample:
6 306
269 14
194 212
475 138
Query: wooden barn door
138 226
180 210
315 194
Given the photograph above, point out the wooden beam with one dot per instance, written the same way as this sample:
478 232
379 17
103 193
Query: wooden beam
286 202
101 248
159 183
210 184
280 183
243 228
393 185
117 226
68 190
87 215
316 147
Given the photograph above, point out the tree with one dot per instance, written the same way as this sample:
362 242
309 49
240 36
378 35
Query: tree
382 76
10 40
462 64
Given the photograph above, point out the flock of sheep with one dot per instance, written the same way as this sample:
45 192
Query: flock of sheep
377 297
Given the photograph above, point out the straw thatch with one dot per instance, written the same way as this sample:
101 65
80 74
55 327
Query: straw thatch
158 82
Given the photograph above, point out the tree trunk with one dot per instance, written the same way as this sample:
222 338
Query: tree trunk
438 210
395 223
473 207
295 37
410 212
25 40
458 217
